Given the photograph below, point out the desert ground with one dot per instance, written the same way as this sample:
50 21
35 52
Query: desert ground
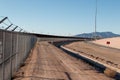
106 55
47 62
114 42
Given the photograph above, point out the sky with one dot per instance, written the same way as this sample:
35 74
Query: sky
62 17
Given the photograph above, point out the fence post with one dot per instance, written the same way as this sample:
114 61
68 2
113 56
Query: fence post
25 47
17 52
3 46
11 54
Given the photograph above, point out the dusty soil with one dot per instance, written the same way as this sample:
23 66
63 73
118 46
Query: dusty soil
114 42
50 63
106 55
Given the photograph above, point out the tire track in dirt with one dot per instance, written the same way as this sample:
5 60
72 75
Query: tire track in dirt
50 63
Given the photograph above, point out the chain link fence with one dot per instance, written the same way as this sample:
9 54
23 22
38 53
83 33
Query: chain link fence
14 49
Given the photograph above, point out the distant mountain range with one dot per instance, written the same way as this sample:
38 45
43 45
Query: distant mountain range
98 34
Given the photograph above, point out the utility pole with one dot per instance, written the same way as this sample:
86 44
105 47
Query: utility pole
95 35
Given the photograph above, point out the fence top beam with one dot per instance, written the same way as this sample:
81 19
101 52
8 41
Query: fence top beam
15 28
8 27
3 19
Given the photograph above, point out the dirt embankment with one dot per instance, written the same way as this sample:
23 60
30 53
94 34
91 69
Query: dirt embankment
102 54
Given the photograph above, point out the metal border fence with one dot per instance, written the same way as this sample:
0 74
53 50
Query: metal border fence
14 49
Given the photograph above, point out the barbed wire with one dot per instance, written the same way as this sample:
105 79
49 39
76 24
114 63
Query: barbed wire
2 16
5 24
9 23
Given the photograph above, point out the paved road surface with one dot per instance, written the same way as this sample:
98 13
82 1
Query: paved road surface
50 63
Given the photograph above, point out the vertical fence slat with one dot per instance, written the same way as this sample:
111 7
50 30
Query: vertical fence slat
3 64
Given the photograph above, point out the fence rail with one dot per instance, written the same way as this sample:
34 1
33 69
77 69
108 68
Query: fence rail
14 48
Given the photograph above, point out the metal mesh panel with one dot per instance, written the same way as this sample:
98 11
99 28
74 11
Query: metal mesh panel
1 44
1 76
7 70
14 48
13 64
8 45
14 41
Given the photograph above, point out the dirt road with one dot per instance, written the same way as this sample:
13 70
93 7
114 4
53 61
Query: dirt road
50 63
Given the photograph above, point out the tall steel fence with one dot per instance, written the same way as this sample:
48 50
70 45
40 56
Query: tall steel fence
14 48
